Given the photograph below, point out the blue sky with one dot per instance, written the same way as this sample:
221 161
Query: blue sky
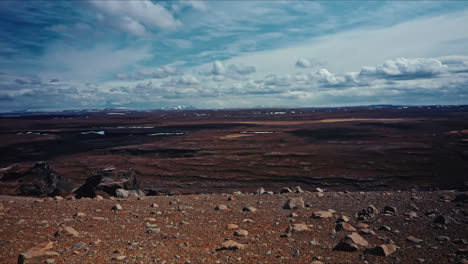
221 54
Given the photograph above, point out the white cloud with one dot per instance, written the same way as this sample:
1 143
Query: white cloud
91 63
406 68
303 63
350 50
218 68
135 17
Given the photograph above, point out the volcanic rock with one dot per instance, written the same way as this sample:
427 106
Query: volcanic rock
383 250
294 203
106 182
122 193
297 228
342 226
260 191
38 180
249 209
321 214
67 231
41 250
117 207
232 226
285 190
221 207
413 239
231 245
241 232
351 242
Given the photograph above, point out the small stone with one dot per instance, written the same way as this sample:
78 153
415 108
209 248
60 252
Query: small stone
293 215
297 228
413 239
154 205
444 220
351 243
79 245
260 191
366 231
241 232
232 226
294 203
119 257
321 214
221 207
342 226
385 228
117 207
249 209
50 261
342 218
384 250
67 231
298 189
443 238
79 214
390 210
285 190
231 245
152 230
320 190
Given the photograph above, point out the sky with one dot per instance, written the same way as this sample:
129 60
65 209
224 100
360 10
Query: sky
57 55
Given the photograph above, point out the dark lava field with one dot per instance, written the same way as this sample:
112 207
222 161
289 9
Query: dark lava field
214 151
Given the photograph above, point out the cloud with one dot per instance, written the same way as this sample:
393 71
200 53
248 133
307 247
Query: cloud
218 68
147 73
241 69
188 80
135 17
303 63
406 68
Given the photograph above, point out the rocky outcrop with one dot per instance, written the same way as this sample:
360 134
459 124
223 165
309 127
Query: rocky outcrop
106 182
38 180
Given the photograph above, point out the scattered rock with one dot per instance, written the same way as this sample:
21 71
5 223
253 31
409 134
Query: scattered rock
390 210
298 189
351 242
342 226
232 226
294 203
107 182
154 205
285 190
249 209
117 207
221 207
444 220
231 245
260 191
241 232
122 193
321 214
384 250
67 231
79 214
41 250
414 239
297 228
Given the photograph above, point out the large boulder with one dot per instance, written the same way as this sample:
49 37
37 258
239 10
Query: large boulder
106 182
38 180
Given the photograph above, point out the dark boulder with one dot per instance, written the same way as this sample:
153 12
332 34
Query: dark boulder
106 182
38 180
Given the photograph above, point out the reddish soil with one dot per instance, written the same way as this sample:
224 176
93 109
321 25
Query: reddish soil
359 148
193 234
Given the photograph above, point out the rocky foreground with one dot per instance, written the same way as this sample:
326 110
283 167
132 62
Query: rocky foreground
289 227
